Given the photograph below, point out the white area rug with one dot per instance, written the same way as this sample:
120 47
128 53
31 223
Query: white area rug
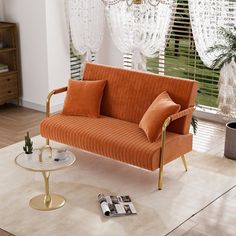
158 211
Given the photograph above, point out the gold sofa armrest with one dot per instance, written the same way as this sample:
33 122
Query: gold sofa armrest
56 91
171 118
183 113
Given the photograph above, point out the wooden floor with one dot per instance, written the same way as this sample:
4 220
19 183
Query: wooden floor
16 121
216 219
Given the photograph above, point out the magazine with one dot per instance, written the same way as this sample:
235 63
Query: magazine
116 205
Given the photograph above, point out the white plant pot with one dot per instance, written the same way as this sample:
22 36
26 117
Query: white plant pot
29 156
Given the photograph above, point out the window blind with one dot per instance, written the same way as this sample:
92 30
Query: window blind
180 58
76 64
127 60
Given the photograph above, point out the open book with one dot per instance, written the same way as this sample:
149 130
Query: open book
116 205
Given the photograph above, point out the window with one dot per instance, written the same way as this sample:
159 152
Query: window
180 58
75 66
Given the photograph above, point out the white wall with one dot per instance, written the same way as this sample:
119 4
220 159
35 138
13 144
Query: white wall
44 49
58 52
31 19
1 10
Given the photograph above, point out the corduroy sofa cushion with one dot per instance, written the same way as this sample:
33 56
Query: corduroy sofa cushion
84 98
155 116
129 93
121 140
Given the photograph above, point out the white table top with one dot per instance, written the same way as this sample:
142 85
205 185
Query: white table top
51 160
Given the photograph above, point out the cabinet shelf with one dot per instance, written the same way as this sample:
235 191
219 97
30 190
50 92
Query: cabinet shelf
5 25
9 56
7 50
8 73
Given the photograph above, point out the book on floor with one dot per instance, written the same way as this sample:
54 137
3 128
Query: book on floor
116 205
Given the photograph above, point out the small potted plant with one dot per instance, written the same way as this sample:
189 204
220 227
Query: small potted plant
28 148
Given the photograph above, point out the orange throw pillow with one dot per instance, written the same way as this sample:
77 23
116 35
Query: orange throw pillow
153 119
84 98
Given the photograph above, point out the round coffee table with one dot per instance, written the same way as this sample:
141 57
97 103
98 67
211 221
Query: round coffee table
45 160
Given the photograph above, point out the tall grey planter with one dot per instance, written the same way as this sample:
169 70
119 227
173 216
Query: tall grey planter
230 140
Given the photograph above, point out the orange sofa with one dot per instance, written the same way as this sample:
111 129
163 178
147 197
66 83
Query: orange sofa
116 134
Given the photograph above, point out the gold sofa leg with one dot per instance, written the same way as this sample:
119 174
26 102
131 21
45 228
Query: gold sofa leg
160 178
47 141
184 162
163 140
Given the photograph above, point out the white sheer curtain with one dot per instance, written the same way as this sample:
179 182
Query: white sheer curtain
86 21
207 16
227 91
141 29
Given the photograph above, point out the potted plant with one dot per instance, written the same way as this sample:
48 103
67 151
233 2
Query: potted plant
226 62
28 148
194 124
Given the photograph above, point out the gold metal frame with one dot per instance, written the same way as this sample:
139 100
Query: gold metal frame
137 1
184 162
163 140
61 90
163 137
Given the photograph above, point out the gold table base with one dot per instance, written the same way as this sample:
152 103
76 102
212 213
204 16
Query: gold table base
39 202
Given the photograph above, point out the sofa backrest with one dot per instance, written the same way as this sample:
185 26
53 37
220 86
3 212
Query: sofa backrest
129 93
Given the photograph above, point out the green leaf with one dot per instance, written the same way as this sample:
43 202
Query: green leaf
228 49
194 124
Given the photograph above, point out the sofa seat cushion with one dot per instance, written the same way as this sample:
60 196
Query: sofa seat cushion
120 140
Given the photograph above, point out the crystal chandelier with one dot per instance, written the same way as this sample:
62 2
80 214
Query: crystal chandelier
139 30
153 3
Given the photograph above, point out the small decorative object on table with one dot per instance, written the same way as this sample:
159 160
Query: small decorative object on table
61 155
28 148
116 205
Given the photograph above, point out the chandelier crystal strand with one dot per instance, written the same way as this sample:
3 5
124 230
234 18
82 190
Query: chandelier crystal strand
129 2
207 16
140 29
153 3
86 19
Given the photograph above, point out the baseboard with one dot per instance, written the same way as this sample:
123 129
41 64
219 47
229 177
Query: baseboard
39 107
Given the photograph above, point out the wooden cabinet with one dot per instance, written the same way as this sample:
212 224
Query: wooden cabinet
9 62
